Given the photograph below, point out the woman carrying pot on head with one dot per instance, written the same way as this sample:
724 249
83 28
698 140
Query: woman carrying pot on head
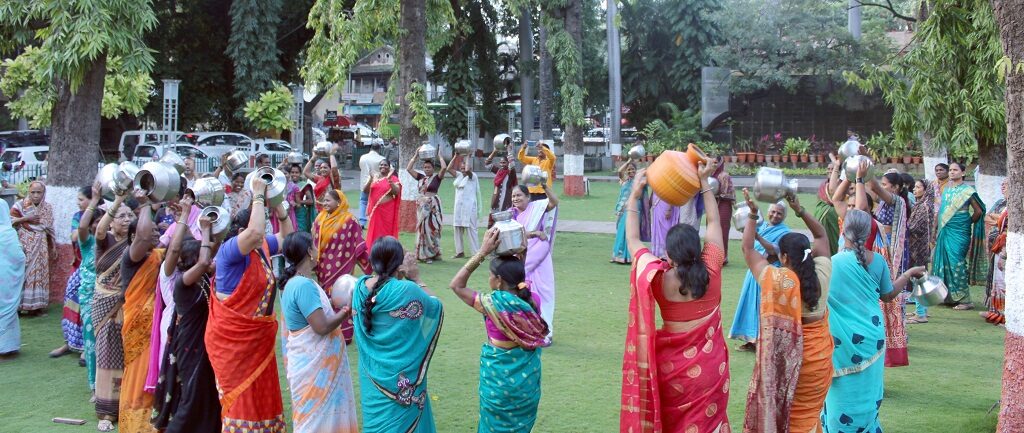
241 332
113 238
339 244
71 320
746 324
315 344
291 190
510 367
793 369
385 199
85 231
33 218
466 214
397 325
504 181
428 209
539 218
186 394
327 176
860 279
960 256
620 251
676 378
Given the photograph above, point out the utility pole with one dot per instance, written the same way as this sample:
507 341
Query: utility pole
853 19
614 81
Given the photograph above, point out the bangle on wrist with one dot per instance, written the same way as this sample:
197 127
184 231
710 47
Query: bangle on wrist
860 180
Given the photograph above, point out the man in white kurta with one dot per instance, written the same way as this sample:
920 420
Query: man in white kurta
467 193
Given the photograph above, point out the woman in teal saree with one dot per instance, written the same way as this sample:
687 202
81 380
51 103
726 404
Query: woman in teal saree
510 368
620 251
397 324
960 256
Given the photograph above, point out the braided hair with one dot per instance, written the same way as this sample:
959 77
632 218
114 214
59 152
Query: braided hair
386 257
856 229
512 272
296 249
684 248
798 249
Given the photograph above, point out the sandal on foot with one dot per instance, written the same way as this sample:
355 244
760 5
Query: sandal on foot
747 347
916 319
963 307
105 425
60 351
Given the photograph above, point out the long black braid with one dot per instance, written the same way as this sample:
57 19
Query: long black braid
386 257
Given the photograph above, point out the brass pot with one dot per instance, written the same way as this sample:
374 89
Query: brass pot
159 180
511 234
741 215
171 157
124 178
106 179
533 175
929 290
207 191
276 182
236 160
220 220
771 185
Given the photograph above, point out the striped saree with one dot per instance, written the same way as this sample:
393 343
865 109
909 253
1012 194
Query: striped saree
136 404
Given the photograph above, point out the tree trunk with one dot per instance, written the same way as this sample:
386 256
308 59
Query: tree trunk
412 54
526 69
573 160
991 172
72 161
934 153
1010 16
547 85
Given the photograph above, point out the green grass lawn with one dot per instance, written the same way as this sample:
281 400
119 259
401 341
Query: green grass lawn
953 379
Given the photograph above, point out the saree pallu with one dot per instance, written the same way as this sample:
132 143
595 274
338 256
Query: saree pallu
36 292
428 227
340 250
663 217
539 266
85 296
815 378
995 299
894 247
320 381
395 355
746 322
779 359
107 318
504 181
186 393
959 245
671 382
12 273
71 319
383 217
509 389
136 404
240 340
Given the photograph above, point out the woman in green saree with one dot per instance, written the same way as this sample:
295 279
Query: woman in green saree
960 256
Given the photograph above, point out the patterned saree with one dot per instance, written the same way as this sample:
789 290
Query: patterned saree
136 404
339 241
960 256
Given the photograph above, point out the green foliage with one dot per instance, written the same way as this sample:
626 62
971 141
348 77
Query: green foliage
948 83
774 46
252 46
272 110
566 56
682 129
65 39
798 146
422 118
712 148
665 44
595 58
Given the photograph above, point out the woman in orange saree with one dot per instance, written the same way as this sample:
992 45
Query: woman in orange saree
339 241
793 369
242 328
676 379
385 199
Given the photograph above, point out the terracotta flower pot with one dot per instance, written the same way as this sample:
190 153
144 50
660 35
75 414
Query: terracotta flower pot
760 157
908 159
783 158
917 160
894 160
805 157
814 158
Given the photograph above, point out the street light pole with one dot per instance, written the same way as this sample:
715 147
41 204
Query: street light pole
614 81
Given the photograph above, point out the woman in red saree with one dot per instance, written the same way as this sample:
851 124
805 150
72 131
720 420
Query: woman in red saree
793 369
385 197
676 379
242 328
326 177
340 246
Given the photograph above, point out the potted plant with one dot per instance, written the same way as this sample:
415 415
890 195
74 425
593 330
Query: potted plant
743 153
878 146
915 155
272 111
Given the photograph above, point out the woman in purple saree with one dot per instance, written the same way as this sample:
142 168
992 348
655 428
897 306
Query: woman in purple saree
539 218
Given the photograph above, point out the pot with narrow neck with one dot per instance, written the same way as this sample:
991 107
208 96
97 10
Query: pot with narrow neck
511 234
771 185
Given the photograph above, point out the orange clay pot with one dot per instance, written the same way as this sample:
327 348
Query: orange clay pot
673 176
695 155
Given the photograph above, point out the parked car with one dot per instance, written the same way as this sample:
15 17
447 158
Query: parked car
270 146
215 144
23 138
33 158
130 139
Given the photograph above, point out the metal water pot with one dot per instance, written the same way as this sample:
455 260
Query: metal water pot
426 152
341 291
124 178
511 234
463 147
207 191
174 160
502 140
106 179
741 215
849 149
771 185
853 162
159 180
929 290
714 185
533 175
322 148
295 158
637 152
236 160
276 183
220 220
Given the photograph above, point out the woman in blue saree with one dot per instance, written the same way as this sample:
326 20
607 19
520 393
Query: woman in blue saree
12 276
397 324
960 255
510 368
746 322
860 279
620 251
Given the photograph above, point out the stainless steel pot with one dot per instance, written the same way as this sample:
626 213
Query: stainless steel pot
929 290
771 185
276 183
637 152
426 152
533 175
849 149
502 140
741 215
463 147
322 148
124 178
159 180
207 191
236 160
220 220
173 159
714 185
106 179
853 162
511 234
295 158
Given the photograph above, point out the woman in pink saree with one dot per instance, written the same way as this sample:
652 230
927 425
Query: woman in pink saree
676 379
340 246
539 218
